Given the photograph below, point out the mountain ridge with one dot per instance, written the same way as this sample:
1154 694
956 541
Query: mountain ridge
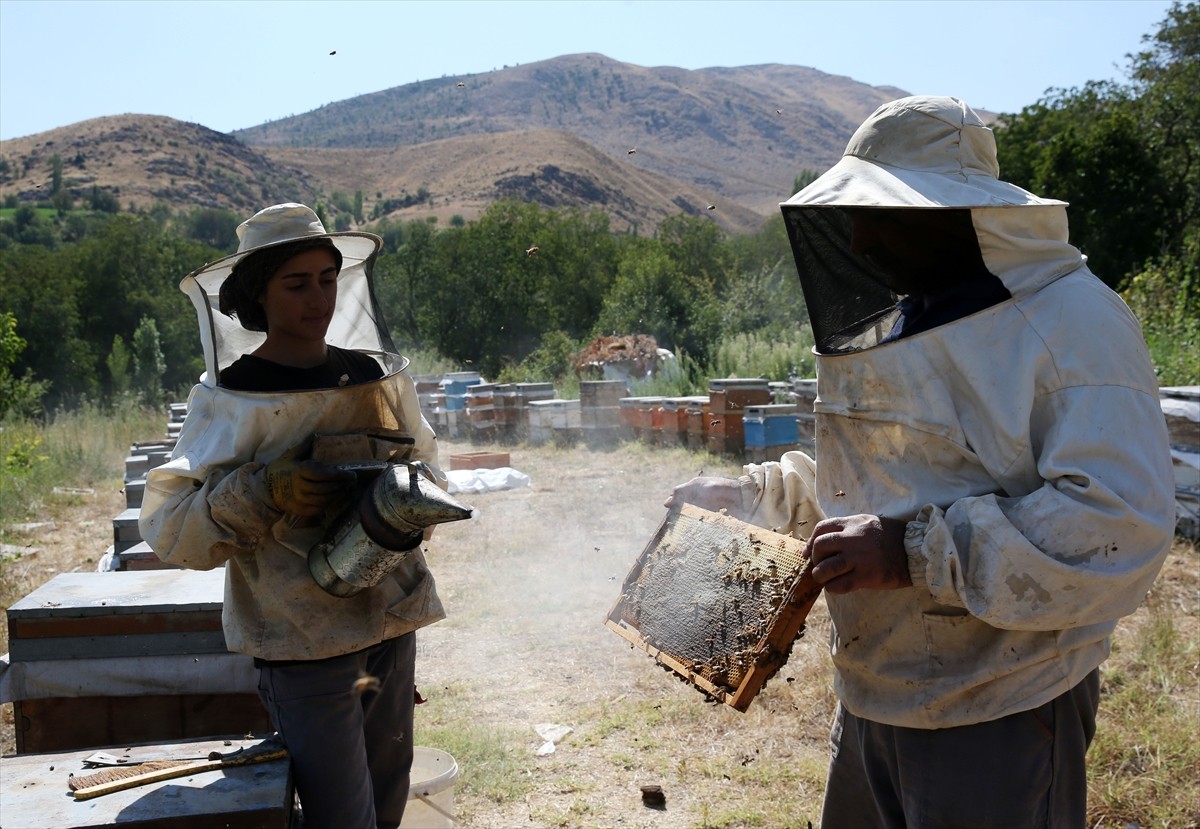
641 143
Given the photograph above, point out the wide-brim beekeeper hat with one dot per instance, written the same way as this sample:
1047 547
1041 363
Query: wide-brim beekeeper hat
923 153
357 322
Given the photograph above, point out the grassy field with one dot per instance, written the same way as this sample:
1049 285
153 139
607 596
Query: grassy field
527 584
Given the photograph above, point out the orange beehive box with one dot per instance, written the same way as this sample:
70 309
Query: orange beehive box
479 460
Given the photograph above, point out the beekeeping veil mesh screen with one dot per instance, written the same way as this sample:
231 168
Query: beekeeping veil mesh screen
357 323
849 307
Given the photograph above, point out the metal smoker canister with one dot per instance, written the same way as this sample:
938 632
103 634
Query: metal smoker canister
381 530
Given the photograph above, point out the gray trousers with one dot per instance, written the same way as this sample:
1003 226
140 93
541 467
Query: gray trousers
351 750
1023 771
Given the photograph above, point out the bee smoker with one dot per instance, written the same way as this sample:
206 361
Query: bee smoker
381 529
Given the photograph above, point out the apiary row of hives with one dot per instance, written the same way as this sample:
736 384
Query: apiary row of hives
748 418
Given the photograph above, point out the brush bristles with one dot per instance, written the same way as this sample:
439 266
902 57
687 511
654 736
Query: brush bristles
115 773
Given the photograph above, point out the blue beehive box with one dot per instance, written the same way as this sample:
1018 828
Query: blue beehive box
771 425
454 387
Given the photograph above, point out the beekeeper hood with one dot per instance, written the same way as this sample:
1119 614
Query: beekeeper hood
920 153
357 322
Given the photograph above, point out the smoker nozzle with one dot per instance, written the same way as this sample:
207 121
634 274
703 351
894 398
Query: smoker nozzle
388 521
403 502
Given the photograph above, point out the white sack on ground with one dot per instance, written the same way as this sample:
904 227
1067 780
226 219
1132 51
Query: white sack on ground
485 480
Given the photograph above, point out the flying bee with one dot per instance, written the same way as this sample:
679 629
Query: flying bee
365 683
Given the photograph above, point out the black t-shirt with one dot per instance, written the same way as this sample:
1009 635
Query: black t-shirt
341 368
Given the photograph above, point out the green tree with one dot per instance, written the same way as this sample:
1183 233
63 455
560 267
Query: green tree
19 396
404 281
103 200
1165 297
56 174
653 295
148 363
119 362
1126 156
804 178
1166 77
212 226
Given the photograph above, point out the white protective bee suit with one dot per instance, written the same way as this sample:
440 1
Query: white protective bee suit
209 506
1023 444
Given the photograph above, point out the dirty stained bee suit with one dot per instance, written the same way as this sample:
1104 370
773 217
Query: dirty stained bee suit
1022 442
210 506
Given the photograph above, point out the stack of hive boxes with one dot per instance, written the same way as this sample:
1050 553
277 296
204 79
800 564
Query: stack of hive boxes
770 430
128 551
511 404
481 412
553 421
453 414
637 414
600 412
130 653
728 399
672 428
697 423
804 393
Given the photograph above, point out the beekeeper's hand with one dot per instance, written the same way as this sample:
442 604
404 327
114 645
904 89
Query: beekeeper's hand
711 493
305 488
859 552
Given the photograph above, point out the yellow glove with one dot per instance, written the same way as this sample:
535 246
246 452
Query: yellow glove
305 488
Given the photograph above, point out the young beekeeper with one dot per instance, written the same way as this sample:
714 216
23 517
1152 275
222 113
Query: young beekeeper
993 486
304 362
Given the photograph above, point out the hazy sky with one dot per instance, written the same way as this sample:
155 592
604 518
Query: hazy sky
228 65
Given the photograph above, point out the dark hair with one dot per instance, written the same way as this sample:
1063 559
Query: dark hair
240 292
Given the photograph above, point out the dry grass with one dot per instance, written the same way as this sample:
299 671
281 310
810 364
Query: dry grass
528 583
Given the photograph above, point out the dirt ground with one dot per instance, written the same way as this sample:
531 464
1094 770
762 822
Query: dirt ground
527 584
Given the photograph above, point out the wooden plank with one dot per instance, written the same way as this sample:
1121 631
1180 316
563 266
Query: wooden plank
717 601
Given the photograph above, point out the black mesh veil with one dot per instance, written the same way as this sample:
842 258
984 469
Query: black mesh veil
848 305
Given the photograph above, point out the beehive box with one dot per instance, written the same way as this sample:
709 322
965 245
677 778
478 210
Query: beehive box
716 601
94 626
726 433
772 425
93 615
554 420
138 557
732 394
697 423
594 393
479 460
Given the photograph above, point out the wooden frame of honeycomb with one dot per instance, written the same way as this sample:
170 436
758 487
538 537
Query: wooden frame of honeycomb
716 601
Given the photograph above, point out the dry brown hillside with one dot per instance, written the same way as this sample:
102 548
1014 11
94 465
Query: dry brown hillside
576 131
144 159
556 169
743 132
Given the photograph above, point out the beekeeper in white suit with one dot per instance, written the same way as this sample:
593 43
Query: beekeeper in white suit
993 485
304 354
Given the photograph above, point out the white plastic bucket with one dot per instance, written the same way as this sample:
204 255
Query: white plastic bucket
430 790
